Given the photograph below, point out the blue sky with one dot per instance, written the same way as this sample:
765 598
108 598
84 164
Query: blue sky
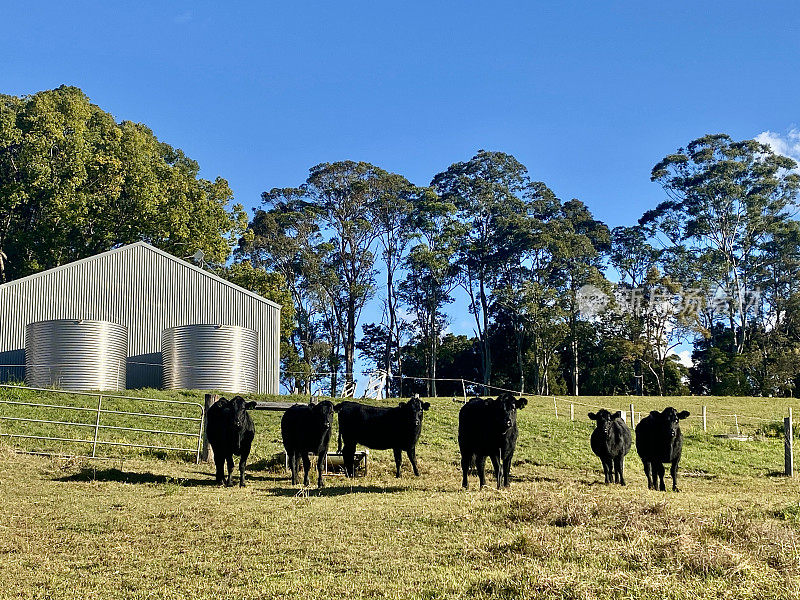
588 95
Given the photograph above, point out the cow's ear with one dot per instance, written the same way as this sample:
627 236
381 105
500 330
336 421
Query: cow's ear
426 405
654 413
401 404
683 414
250 405
593 416
616 415
521 403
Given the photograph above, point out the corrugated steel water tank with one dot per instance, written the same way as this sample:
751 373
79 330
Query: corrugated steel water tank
76 355
210 357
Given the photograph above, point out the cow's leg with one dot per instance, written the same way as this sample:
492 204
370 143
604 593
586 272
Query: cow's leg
660 467
229 461
293 466
412 458
219 461
242 465
607 469
619 467
507 469
306 466
466 460
398 459
321 459
348 456
674 472
498 469
480 466
647 470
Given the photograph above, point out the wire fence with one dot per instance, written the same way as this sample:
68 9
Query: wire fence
88 424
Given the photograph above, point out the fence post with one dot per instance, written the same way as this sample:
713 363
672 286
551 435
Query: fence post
705 428
787 445
736 421
571 411
207 453
97 424
624 416
555 406
633 416
464 390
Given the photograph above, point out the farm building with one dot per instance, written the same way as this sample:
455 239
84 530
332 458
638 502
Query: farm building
154 295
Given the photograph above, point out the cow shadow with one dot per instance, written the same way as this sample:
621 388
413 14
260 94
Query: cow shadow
88 474
332 491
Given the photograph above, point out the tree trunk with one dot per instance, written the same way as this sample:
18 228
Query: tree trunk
350 342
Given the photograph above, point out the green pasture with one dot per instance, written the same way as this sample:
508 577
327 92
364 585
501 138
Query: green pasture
152 524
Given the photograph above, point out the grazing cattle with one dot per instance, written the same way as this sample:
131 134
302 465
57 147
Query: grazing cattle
611 440
307 429
488 427
380 428
659 440
230 430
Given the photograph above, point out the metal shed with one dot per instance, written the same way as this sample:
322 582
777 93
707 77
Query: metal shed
148 291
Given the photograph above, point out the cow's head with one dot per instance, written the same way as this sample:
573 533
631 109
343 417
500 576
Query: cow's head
324 412
509 404
240 407
668 419
416 408
605 418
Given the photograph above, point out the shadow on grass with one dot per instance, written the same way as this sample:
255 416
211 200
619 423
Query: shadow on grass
335 491
87 474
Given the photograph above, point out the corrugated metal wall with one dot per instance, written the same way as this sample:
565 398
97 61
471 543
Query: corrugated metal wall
146 290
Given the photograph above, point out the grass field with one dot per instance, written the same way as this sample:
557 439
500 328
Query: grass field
156 526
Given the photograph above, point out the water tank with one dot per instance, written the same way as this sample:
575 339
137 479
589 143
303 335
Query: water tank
76 354
210 357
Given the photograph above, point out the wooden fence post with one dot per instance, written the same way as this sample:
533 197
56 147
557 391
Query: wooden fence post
633 416
787 445
555 406
705 428
206 452
571 411
624 416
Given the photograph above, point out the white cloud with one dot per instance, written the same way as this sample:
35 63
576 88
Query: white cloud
686 358
787 145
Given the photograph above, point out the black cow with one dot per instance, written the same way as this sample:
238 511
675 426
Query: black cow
230 431
307 429
380 428
659 440
611 441
488 427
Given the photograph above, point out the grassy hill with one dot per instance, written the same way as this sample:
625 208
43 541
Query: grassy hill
154 525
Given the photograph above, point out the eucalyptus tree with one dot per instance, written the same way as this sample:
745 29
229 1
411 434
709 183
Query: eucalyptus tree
487 191
74 182
581 243
342 200
726 200
431 275
284 238
394 212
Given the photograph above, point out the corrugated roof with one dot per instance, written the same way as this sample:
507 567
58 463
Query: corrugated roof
153 249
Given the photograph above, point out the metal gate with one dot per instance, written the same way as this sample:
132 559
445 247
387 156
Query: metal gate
97 428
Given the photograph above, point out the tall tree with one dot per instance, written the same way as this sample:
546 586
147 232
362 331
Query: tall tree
582 245
342 198
431 276
394 214
487 190
74 182
727 199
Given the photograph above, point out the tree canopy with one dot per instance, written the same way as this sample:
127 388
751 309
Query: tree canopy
75 182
